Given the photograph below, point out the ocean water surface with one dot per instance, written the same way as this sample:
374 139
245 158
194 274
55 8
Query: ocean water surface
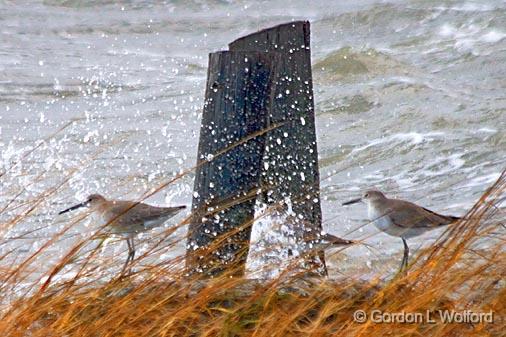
107 96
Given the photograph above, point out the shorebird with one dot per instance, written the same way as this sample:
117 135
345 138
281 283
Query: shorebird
126 218
315 238
326 240
401 218
317 243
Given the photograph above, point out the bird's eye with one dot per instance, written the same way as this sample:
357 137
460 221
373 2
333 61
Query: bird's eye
366 195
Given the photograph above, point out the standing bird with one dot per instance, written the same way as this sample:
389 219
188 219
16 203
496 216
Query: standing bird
401 218
127 218
325 240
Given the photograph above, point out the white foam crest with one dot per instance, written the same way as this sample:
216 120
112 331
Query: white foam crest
454 162
472 7
414 138
483 180
469 36
487 130
493 36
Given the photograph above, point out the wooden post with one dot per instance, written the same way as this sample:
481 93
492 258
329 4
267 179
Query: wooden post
265 79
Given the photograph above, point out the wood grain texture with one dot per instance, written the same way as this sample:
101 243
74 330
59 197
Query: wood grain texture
265 79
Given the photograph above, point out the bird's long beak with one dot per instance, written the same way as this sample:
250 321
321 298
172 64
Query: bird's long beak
83 204
354 201
341 242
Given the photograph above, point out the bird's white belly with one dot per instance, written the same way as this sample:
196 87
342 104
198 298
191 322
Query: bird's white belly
385 224
119 227
155 223
116 229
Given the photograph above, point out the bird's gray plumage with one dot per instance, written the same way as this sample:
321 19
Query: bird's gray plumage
401 218
126 218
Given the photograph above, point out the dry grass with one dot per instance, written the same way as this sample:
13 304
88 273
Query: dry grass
463 270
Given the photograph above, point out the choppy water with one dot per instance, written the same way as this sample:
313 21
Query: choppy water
410 98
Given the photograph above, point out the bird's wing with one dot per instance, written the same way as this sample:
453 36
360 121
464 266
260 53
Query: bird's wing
409 215
132 213
446 219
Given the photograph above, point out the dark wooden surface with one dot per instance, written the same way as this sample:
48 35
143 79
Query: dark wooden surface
236 106
264 79
293 166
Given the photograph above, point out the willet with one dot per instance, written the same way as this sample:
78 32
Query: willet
127 218
312 238
320 241
401 218
326 240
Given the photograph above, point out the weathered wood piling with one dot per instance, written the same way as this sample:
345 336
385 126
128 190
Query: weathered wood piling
263 82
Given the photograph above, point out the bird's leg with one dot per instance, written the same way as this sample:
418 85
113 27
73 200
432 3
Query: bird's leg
128 258
131 254
132 251
405 257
